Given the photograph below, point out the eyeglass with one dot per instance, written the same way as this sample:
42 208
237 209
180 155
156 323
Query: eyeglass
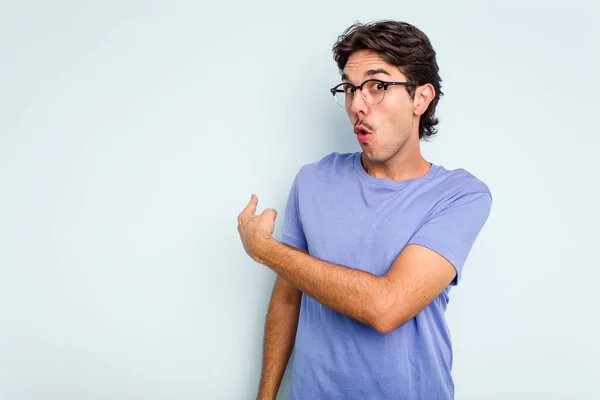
372 90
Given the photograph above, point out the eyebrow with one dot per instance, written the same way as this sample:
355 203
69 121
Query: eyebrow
370 72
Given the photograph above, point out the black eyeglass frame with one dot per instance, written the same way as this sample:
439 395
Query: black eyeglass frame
385 84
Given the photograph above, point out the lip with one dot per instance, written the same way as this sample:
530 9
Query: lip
363 135
361 129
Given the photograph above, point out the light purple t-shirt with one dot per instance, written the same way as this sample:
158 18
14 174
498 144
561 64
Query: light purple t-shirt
345 216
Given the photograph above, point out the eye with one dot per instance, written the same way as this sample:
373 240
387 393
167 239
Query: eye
348 89
376 87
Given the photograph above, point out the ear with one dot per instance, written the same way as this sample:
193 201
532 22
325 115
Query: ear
423 96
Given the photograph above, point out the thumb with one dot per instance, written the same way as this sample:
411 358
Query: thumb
251 206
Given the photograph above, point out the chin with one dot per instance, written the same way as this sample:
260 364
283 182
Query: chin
379 156
373 156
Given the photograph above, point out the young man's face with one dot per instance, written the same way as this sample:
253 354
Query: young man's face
391 123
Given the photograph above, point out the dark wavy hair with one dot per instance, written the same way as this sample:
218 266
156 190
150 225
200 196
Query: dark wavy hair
403 45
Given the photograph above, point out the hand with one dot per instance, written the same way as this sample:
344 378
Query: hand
255 230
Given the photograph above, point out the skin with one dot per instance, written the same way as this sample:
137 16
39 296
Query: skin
393 149
416 277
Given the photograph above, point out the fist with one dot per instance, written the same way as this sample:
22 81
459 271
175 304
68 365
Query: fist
256 230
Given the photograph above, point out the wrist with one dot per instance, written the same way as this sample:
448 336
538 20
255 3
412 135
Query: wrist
264 249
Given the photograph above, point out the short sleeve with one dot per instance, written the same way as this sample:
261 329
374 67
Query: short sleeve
293 233
452 230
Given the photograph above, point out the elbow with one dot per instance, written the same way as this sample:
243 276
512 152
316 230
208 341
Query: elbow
385 317
383 326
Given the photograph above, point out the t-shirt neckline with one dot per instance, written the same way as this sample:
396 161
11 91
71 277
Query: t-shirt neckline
364 176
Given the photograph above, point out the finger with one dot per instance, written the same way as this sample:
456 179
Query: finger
250 209
271 213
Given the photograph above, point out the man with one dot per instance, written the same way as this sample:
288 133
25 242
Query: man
372 241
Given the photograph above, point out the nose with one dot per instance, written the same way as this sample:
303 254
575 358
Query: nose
358 102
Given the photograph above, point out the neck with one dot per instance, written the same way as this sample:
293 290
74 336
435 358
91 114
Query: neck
403 165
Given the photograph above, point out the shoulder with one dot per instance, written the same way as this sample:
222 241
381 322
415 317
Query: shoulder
332 162
459 191
460 182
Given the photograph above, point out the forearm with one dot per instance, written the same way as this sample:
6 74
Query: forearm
354 293
280 334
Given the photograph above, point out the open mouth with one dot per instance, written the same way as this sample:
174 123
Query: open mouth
362 134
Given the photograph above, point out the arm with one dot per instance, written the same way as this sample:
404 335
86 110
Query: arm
431 261
416 277
280 334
